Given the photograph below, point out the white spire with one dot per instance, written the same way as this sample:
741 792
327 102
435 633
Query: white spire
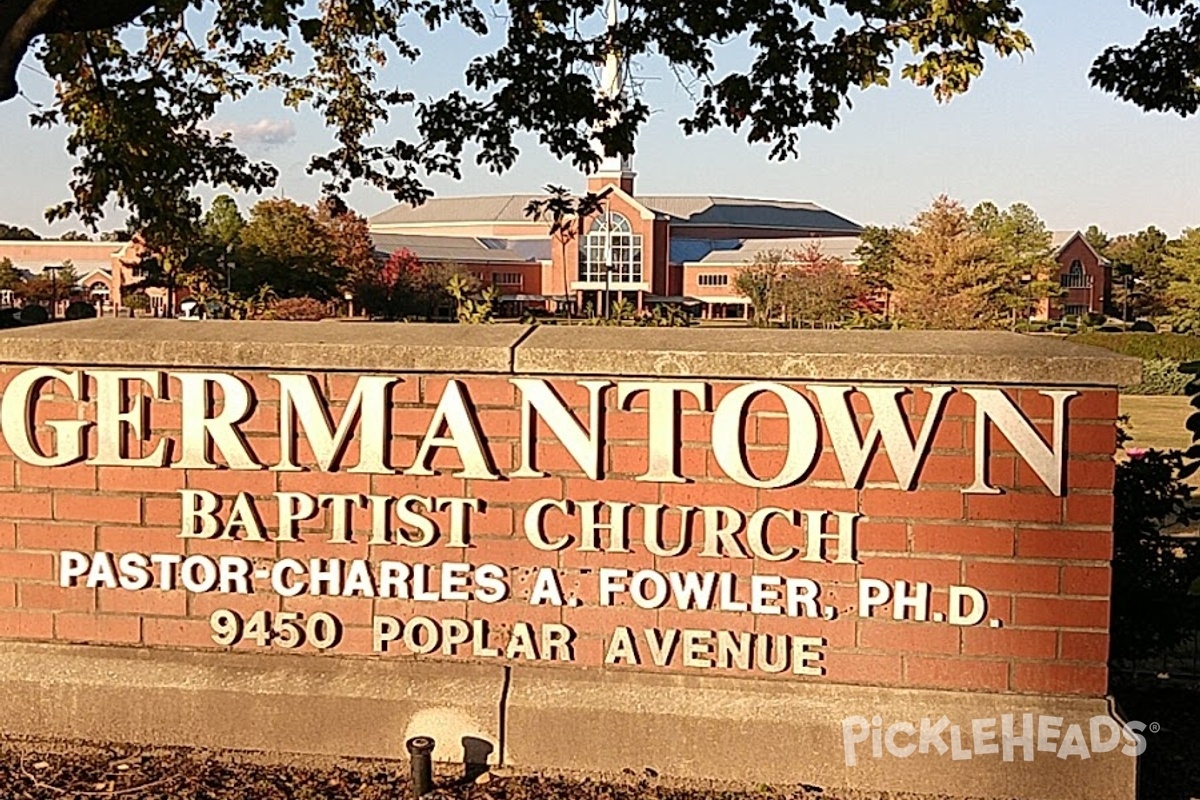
612 85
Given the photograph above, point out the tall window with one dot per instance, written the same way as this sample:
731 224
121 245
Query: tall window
611 246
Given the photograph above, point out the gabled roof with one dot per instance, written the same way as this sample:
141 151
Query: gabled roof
1060 239
682 210
708 252
464 249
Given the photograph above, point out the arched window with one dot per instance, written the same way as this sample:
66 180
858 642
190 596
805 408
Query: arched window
611 247
98 289
1076 267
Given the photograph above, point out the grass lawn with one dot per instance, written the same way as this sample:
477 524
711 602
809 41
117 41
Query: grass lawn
1157 422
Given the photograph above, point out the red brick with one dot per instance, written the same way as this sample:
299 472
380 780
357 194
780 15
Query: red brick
810 497
955 470
708 494
907 637
147 601
315 483
25 505
1090 509
260 483
98 628
26 625
1010 642
963 539
74 476
99 508
350 610
1015 507
1079 545
938 572
1060 678
1088 439
8 536
1077 646
8 594
34 566
54 536
956 673
139 540
1081 474
923 503
1086 580
7 474
1013 576
1055 612
1098 405
56 598
869 668
140 480
167 632
951 434
625 491
882 536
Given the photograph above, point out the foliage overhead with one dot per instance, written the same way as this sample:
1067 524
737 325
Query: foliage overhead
1162 71
137 83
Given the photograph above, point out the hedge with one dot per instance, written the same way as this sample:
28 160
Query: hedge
1178 347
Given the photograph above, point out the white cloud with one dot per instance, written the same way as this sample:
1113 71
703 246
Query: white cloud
268 132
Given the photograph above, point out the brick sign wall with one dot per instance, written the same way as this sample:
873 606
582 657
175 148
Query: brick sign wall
416 521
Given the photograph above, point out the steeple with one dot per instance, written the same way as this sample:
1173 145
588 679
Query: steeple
614 169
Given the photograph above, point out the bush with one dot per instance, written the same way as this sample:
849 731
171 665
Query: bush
34 315
296 309
1152 608
1170 346
1159 376
136 302
1142 326
81 310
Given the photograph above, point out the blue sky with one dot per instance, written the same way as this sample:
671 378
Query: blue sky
1030 130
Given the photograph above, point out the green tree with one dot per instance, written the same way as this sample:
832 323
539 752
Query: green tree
568 215
137 82
1139 261
1098 239
10 278
1182 295
223 222
877 257
1162 71
16 233
285 247
759 282
1025 270
75 236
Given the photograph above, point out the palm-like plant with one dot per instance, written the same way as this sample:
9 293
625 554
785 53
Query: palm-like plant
567 216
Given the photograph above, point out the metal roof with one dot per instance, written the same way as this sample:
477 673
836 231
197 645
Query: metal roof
745 251
704 210
462 248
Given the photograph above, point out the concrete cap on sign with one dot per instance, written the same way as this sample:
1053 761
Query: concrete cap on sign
852 355
330 345
736 353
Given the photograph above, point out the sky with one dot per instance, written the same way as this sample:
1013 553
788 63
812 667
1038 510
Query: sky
1030 130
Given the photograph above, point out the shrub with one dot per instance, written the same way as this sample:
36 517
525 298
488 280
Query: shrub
81 310
138 301
1159 376
1170 346
296 309
34 315
1142 326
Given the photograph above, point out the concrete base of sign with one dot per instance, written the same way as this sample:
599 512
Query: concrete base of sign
538 719
250 701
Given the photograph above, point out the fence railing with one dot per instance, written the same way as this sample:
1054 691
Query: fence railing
1076 281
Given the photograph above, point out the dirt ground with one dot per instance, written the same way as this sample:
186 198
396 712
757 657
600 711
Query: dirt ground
41 770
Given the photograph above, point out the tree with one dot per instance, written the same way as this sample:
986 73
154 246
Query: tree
818 289
1182 295
10 278
15 233
877 257
75 236
350 239
285 247
567 216
1025 268
945 271
1098 239
1140 261
137 83
1162 71
223 222
759 282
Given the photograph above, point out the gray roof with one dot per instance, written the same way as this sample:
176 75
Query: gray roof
463 248
681 209
744 252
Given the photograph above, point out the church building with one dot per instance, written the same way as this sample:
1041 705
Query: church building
644 249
